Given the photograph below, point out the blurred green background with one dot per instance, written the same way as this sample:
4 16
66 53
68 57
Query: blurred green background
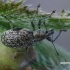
46 55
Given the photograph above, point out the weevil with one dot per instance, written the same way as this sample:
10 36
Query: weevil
25 38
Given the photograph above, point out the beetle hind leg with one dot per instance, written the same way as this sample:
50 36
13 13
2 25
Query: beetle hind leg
18 51
15 55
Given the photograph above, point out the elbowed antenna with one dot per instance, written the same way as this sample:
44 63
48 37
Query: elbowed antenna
11 25
32 23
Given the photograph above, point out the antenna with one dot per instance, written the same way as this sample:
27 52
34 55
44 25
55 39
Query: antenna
8 20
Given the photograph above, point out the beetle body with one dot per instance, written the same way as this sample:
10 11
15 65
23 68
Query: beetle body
22 38
17 38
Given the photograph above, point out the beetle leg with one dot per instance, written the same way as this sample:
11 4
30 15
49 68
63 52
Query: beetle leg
39 24
45 25
15 55
18 51
51 40
11 25
27 49
24 66
32 23
33 26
